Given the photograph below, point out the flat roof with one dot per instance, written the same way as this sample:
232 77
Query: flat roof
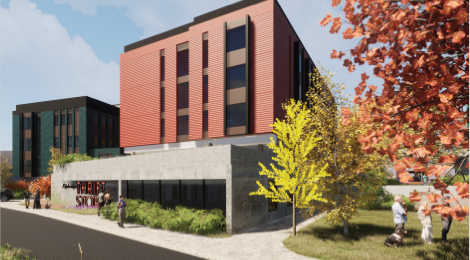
57 104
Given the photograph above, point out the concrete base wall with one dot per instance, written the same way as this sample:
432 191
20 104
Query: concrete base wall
238 166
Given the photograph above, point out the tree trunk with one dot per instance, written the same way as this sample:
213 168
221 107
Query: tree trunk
346 230
293 215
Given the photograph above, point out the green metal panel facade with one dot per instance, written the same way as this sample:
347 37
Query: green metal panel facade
83 126
16 145
47 139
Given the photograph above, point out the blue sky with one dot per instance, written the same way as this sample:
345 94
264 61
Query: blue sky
53 49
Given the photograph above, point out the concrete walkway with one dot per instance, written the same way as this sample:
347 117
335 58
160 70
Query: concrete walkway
262 243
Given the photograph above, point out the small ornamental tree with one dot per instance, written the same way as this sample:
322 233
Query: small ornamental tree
43 184
55 157
5 170
296 180
420 49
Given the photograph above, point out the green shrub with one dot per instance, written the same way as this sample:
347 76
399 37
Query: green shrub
18 194
458 178
385 200
74 157
180 219
394 182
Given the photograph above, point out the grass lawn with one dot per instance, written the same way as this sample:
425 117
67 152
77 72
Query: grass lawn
367 235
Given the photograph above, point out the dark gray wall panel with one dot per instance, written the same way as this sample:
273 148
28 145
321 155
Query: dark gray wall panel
47 139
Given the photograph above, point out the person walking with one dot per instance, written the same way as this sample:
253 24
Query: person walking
26 194
425 182
37 200
107 198
100 201
399 214
121 208
426 222
446 221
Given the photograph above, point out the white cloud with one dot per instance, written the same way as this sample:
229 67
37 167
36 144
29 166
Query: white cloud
40 62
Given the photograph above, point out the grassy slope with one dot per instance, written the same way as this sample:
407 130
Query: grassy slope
367 235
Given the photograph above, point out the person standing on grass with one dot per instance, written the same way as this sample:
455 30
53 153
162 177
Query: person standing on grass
26 194
426 222
37 200
121 208
446 221
100 201
399 213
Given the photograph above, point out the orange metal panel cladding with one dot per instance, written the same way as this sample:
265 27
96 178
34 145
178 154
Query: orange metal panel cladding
195 87
140 80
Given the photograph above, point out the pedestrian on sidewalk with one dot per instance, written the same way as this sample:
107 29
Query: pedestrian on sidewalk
37 200
399 214
26 194
107 198
121 208
100 201
425 182
446 221
426 222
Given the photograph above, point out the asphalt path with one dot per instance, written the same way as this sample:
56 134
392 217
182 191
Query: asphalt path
50 239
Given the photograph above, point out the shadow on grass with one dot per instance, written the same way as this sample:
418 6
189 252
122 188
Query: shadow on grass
456 249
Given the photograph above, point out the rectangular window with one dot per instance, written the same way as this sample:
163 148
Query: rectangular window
214 196
192 194
289 204
162 68
236 77
236 115
62 119
205 55
27 123
183 95
97 130
56 142
110 155
236 38
103 130
271 204
183 62
69 118
162 104
77 141
38 133
56 120
205 93
111 131
27 145
27 166
183 125
162 127
206 121
134 189
102 155
170 194
69 141
39 166
152 191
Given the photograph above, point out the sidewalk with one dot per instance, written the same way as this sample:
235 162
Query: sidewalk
262 243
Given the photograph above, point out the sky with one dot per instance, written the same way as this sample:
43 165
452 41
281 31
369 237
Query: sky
54 49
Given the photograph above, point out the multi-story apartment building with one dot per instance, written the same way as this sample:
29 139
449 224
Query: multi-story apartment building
221 78
75 125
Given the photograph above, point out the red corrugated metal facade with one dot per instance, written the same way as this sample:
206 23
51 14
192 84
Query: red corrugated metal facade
269 79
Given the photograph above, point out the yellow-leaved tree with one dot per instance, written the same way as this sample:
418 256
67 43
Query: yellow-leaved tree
6 170
56 155
296 180
355 175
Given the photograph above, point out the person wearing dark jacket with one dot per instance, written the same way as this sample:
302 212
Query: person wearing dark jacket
446 221
37 200
26 194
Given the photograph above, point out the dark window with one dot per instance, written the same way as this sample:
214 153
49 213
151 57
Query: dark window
27 166
111 131
215 194
236 77
236 115
183 125
69 141
38 128
236 38
102 155
162 127
163 100
56 120
27 145
62 119
27 123
69 119
205 93
110 155
271 204
289 204
192 194
170 194
162 68
103 130
300 62
152 191
56 142
183 62
134 189
39 166
205 56
183 95
97 130
206 121
77 141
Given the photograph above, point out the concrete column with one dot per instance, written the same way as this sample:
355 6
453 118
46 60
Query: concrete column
119 189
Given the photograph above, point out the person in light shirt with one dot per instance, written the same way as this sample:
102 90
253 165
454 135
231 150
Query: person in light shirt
399 213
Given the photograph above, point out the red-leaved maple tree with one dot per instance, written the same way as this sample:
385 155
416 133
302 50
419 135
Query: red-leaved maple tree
420 49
